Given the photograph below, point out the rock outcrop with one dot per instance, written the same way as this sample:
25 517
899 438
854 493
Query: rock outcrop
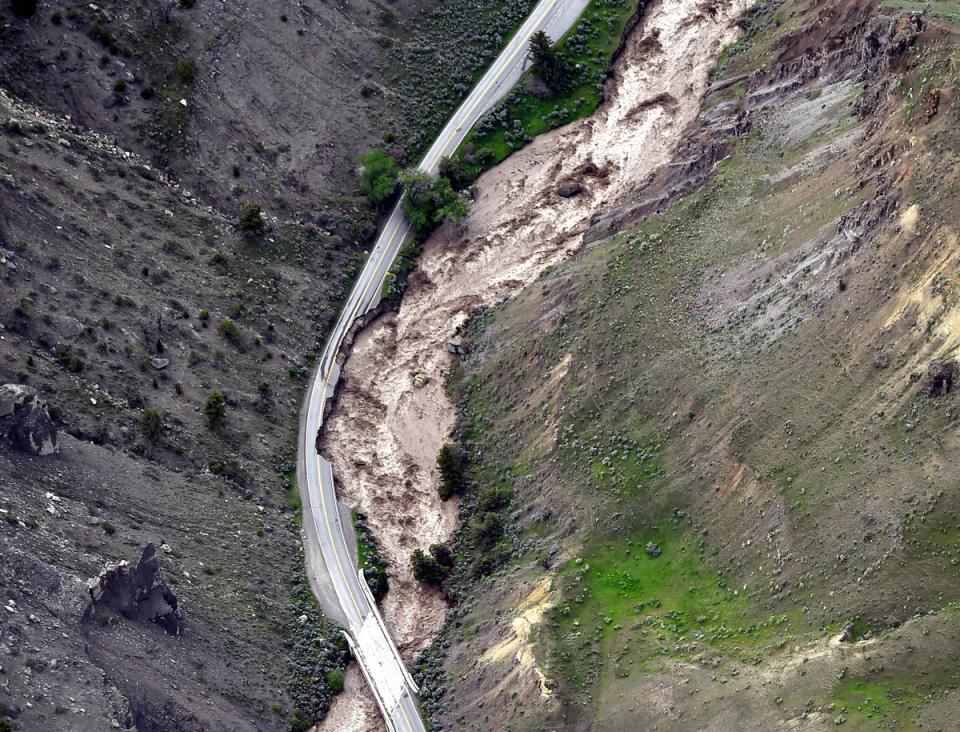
138 593
26 422
940 376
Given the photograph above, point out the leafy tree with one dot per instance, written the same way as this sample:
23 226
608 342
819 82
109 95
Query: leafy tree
456 171
251 221
151 423
426 567
215 409
450 464
430 200
379 176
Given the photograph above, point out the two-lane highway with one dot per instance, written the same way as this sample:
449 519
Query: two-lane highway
333 575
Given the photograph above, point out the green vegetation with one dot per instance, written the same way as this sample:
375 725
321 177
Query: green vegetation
229 330
215 410
434 567
655 594
450 462
151 423
185 71
251 221
395 282
430 200
379 176
369 559
318 654
435 66
550 66
884 703
335 681
67 360
949 9
572 73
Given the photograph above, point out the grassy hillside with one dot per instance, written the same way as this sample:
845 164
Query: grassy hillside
728 427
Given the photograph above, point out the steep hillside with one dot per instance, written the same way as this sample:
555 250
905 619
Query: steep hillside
713 456
126 306
157 331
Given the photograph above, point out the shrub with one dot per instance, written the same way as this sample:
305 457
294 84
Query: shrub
251 220
185 71
24 8
379 176
299 725
335 680
433 567
119 86
229 330
431 200
68 361
494 498
215 409
450 464
151 423
485 529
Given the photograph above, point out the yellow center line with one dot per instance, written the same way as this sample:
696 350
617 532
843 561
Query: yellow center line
406 717
326 517
506 66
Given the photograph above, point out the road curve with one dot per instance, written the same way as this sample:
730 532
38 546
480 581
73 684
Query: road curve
331 566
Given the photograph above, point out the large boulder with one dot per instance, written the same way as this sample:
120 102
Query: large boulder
137 593
940 374
25 421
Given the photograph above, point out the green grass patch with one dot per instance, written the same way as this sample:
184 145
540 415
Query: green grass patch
624 608
589 47
395 283
940 8
369 559
880 702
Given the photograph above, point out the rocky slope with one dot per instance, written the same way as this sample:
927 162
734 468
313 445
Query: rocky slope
721 438
131 136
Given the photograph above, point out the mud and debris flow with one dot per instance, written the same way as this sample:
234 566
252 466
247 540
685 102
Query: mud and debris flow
392 415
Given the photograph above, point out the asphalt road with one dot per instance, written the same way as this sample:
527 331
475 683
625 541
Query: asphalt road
331 564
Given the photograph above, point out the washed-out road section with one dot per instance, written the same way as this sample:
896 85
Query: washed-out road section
330 558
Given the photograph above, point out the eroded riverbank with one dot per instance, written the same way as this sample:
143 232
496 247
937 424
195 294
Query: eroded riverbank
392 415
